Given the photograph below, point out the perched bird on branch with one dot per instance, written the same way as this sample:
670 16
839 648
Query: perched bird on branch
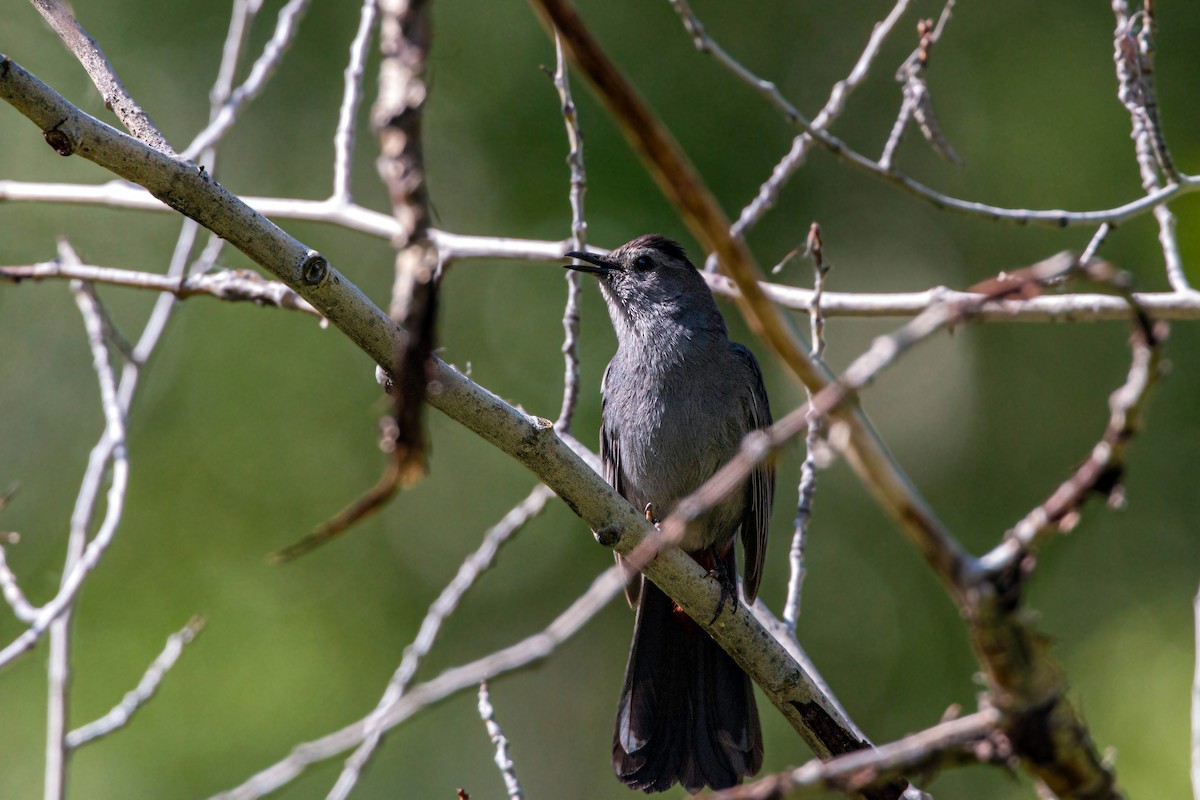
679 396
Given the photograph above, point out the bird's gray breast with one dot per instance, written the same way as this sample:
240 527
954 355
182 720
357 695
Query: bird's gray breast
673 425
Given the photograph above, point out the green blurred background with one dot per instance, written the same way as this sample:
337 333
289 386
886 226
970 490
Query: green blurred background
253 424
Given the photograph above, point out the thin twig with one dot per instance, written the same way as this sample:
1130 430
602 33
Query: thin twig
1055 218
968 739
240 20
120 714
808 469
80 559
343 138
229 285
1075 307
475 564
23 610
102 73
684 188
1102 470
405 39
570 346
917 104
535 648
1133 56
768 193
503 762
264 67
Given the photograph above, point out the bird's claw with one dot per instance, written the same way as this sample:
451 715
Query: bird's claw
728 589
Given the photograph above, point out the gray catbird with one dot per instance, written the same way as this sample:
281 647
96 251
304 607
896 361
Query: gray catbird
678 397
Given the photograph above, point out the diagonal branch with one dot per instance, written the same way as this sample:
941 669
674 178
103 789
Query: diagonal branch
104 76
1049 218
261 72
678 179
969 739
120 714
531 440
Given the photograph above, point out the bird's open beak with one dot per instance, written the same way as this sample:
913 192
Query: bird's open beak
598 265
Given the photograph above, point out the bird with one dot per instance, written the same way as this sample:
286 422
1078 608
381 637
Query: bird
677 399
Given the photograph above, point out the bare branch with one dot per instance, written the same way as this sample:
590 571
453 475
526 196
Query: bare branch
454 246
918 101
1044 308
476 564
768 193
863 447
1102 471
528 651
968 739
120 714
507 769
1052 218
570 347
240 19
22 608
343 138
81 557
405 38
262 71
230 285
808 469
102 73
1133 55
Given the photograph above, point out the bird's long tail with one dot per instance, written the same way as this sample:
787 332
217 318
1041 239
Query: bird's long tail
687 710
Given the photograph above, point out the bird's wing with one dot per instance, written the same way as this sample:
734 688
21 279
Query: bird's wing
760 489
610 460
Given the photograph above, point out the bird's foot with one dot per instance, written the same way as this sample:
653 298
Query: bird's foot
728 584
650 515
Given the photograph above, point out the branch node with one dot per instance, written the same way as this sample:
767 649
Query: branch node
314 268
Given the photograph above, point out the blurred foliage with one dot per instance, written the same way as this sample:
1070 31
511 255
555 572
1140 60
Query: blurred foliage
254 425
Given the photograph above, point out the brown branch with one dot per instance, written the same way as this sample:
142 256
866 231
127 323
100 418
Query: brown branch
918 100
554 458
1101 472
683 186
1023 680
404 40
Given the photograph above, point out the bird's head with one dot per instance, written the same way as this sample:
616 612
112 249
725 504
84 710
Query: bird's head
650 279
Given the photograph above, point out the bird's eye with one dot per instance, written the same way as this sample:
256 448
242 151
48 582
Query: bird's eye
642 262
